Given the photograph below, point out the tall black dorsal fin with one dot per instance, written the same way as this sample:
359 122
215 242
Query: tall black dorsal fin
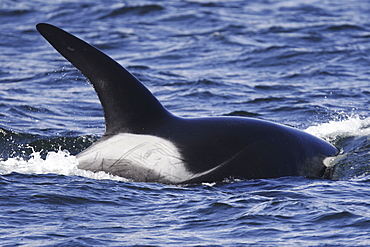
128 105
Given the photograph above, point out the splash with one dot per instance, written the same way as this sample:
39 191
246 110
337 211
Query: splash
60 162
351 126
351 135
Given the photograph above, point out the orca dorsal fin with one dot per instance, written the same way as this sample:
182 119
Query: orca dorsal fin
128 105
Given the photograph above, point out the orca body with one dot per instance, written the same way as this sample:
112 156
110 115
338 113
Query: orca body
146 143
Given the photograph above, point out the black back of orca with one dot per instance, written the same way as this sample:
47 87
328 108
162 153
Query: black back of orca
210 149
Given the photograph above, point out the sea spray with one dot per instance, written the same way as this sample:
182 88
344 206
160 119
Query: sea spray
60 162
351 126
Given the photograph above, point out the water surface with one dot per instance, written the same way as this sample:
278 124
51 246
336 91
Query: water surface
300 63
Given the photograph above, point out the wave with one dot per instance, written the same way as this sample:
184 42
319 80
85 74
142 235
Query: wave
351 136
350 126
61 163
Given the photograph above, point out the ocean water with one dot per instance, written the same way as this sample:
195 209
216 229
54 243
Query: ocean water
301 63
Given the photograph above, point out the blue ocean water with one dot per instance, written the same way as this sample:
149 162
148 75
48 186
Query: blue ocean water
300 63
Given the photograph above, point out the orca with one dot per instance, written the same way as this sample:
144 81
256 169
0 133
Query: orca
144 142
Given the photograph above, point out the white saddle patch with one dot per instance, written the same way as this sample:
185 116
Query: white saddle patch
137 157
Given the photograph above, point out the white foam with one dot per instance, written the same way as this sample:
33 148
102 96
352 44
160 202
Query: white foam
350 126
60 162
